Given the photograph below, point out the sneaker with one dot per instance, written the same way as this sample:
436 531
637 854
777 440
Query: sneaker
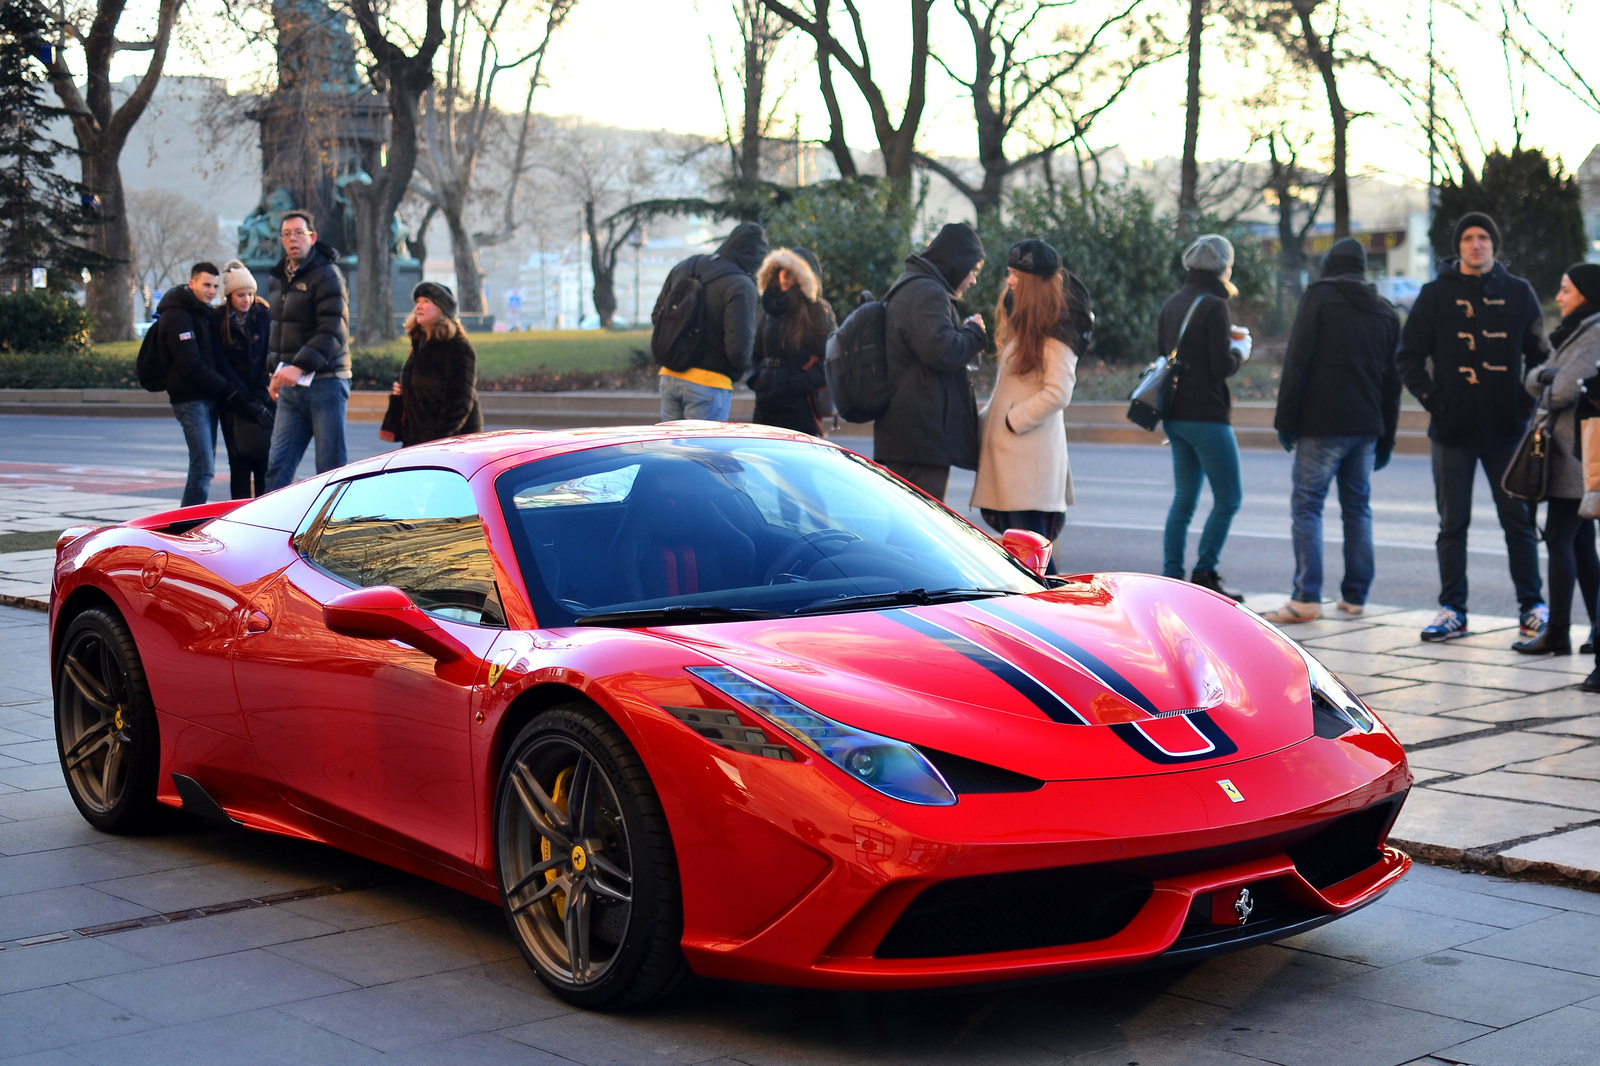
1295 611
1210 579
1448 624
1354 610
1534 619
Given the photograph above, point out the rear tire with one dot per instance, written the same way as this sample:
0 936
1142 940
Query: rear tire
588 876
106 733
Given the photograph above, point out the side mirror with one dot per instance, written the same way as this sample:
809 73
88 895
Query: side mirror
383 612
1028 548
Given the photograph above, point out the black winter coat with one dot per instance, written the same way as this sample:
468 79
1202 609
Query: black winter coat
1465 349
439 390
310 315
1205 359
242 354
729 302
933 414
186 330
1340 378
787 374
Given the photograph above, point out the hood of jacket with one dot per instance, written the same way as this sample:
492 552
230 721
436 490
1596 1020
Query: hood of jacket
918 267
745 247
321 253
954 252
798 261
184 297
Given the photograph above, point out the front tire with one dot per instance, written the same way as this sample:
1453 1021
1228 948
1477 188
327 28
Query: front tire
106 732
588 877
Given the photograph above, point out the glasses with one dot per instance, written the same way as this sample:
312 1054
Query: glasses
295 233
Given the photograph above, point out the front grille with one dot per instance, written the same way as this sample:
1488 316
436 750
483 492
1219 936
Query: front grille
1015 911
1344 847
1269 905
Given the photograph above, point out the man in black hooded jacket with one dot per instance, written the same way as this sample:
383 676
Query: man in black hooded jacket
729 303
932 420
1338 407
1471 337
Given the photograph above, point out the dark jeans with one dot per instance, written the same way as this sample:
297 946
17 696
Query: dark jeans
1570 542
242 469
1318 461
1454 470
1045 523
1201 451
307 411
933 480
199 421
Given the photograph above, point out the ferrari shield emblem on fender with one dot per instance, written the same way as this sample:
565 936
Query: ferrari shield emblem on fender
1243 905
498 666
1228 787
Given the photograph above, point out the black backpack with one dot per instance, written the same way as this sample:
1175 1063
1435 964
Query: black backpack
154 362
857 362
677 334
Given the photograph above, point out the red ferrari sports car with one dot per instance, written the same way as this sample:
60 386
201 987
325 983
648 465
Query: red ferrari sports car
722 700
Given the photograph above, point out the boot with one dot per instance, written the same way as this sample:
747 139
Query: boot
1210 579
1553 641
1592 682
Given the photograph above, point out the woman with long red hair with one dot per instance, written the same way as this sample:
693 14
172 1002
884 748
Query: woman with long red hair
1023 479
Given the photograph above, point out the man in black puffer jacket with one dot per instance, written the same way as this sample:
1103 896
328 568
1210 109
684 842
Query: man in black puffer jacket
1338 408
932 420
729 304
185 329
309 349
1471 337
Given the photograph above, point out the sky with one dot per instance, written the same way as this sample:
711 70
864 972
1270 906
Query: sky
647 64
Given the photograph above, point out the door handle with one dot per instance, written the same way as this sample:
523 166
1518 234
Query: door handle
257 622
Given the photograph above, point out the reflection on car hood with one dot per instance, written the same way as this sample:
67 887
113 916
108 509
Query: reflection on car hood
1116 676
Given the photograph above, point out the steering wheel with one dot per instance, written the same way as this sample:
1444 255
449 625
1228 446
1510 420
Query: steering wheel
812 541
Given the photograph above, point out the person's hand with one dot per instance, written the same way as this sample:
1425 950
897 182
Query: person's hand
386 434
975 320
1287 439
1546 375
396 390
262 414
287 374
1381 458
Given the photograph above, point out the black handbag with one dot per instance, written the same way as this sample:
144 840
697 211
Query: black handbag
1527 476
251 439
1152 397
394 417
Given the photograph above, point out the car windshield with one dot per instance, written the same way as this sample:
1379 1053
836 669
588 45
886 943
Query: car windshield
719 529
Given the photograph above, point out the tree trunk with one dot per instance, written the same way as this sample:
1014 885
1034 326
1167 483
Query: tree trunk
755 76
605 280
1321 54
374 286
109 294
1189 178
469 271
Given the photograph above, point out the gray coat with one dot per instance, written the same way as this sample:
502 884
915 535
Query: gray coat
933 414
1574 362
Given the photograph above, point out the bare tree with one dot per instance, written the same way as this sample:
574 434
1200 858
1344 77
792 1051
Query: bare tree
1188 191
760 32
404 77
458 117
897 143
1013 72
607 175
101 128
170 234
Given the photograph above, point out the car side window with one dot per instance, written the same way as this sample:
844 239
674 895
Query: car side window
418 530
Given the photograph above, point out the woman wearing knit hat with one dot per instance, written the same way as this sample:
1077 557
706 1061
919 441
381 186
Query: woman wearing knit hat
1569 537
438 386
1197 322
792 331
1024 481
243 330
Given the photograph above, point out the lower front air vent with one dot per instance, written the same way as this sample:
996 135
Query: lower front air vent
968 777
1344 847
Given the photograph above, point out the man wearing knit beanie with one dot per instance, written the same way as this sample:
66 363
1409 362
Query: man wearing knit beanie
1471 337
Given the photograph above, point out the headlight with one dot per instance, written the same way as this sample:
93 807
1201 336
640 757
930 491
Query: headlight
1331 700
893 767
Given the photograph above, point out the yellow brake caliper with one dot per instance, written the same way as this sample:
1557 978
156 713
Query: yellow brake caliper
559 796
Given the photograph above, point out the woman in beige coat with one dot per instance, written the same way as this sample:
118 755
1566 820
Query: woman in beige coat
1023 480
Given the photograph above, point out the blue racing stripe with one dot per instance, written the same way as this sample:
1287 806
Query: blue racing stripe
1053 706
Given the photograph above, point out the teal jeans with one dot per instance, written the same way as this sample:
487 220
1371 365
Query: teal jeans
1201 451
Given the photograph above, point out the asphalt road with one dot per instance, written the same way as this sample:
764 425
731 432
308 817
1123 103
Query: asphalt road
1122 498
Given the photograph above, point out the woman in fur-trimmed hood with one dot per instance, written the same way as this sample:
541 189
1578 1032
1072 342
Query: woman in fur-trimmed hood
791 333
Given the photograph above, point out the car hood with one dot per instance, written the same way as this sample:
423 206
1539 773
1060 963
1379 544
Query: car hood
1114 676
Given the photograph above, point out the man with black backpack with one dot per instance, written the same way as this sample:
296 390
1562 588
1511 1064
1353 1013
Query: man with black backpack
185 342
704 326
931 423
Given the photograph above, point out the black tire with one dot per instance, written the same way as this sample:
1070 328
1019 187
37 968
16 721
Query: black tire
613 856
106 733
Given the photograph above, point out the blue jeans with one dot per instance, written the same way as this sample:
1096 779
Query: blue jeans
1455 468
1201 451
307 411
685 399
199 421
1317 462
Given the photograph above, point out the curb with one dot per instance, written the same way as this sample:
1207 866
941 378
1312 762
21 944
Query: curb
1497 865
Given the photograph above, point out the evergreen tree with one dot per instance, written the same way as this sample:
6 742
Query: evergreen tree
1535 205
43 214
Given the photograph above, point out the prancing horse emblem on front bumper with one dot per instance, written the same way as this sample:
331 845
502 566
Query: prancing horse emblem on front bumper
1243 905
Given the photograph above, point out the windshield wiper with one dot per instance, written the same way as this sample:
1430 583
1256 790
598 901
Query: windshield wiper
903 598
677 615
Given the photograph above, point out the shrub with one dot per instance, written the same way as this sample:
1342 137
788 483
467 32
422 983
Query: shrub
371 369
1533 201
859 236
43 321
66 370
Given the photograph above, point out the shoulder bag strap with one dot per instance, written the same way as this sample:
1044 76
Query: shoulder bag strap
1184 328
